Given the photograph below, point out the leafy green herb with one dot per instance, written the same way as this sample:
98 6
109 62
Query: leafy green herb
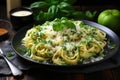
82 24
39 4
10 54
78 15
68 23
90 15
50 9
53 9
111 45
57 26
60 24
64 47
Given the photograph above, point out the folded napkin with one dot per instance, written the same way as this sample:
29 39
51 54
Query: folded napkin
12 56
113 62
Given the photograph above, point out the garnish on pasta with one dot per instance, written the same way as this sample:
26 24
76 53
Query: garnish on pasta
64 42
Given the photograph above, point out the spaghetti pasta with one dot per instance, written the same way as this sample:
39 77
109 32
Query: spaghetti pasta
61 44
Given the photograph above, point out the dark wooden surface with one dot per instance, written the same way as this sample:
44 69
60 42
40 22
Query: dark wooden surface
108 74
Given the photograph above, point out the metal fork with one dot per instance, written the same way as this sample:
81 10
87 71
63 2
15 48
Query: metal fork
15 71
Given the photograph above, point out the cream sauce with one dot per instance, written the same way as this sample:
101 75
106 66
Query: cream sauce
21 13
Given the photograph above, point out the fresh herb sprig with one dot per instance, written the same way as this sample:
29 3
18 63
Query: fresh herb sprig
60 24
47 10
50 9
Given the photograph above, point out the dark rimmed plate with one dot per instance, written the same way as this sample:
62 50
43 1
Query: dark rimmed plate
16 44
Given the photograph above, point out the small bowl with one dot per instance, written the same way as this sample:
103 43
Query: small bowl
5 28
20 17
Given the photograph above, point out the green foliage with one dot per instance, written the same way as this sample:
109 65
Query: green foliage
63 23
50 9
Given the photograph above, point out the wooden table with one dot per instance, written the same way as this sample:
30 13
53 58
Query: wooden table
108 74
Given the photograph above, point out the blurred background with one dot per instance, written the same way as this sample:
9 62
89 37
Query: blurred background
81 4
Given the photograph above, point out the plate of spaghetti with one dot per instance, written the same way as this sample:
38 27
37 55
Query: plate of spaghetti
66 42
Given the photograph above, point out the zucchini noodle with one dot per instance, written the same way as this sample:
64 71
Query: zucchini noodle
59 43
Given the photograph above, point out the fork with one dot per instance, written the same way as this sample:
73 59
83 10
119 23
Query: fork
15 71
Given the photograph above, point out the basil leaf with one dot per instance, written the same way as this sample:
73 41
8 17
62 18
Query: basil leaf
38 4
40 16
44 16
10 54
56 20
53 9
48 16
79 15
90 15
57 26
64 5
60 24
68 24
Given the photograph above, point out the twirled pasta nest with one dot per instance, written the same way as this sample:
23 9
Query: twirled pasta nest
64 42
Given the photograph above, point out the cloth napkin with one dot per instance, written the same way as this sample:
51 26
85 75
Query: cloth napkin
7 49
113 62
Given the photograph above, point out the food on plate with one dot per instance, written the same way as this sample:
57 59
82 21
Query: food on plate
64 42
